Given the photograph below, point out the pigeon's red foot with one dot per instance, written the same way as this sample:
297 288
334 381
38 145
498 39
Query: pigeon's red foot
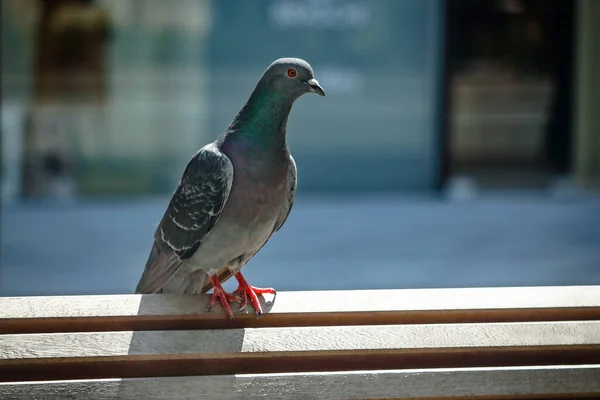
244 290
223 296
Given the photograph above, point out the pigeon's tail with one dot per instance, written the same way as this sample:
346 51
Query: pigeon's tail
160 268
185 282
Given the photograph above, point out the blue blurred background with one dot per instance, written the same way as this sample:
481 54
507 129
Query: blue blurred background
458 145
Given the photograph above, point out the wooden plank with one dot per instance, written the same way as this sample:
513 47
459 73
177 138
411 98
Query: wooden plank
271 350
572 382
319 308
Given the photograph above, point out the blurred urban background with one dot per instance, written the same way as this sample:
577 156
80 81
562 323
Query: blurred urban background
458 145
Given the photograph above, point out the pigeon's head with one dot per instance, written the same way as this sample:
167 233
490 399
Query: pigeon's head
291 76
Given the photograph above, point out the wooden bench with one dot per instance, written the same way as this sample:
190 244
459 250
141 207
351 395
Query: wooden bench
489 343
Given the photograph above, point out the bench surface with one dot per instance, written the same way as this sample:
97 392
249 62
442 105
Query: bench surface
492 343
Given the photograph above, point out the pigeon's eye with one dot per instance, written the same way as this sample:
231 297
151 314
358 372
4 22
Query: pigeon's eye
292 73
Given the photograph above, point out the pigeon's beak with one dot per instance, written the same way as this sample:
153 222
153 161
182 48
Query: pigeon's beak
313 86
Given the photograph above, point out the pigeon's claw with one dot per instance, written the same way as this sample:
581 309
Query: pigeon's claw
223 296
245 290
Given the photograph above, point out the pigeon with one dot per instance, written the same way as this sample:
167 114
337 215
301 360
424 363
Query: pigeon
233 195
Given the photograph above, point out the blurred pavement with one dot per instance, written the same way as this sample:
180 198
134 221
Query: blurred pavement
329 242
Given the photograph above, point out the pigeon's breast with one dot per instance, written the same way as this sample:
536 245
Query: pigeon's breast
248 218
257 194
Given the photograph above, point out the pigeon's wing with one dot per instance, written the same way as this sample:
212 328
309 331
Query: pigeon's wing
292 181
197 202
193 211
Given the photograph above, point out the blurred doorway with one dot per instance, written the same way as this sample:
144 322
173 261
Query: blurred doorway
69 92
509 82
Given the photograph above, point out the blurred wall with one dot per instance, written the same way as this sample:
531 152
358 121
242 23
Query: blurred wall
587 94
158 110
18 20
165 77
109 93
380 62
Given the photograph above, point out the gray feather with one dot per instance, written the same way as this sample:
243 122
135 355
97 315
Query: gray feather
197 202
159 268
215 222
194 209
292 182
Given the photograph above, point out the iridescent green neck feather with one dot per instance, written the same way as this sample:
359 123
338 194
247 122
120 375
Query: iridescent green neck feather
263 118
